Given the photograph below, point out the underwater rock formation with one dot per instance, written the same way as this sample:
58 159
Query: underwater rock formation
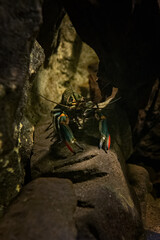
44 210
20 23
125 37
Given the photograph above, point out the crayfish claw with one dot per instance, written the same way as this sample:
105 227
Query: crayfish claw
69 147
105 140
107 143
66 134
101 142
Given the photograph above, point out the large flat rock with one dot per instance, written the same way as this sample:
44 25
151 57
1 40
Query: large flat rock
43 210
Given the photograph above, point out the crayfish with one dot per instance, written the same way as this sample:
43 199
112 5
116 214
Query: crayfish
74 107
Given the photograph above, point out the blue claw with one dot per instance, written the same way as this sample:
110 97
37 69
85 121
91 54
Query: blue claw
67 136
105 136
66 133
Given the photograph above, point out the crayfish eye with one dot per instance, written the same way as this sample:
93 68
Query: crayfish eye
71 99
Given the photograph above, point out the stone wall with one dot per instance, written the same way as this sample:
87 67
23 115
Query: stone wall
20 23
67 66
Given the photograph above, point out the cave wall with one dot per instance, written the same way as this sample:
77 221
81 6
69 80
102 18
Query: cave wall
67 66
20 23
125 36
147 138
21 57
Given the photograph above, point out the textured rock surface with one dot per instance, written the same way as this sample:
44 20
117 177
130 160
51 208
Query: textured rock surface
29 97
153 214
147 139
43 210
53 13
150 206
25 117
140 180
67 66
42 160
151 235
147 132
105 206
19 24
105 200
126 39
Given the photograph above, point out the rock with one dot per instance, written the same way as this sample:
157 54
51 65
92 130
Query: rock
43 210
37 58
48 36
152 222
147 137
105 202
140 180
106 209
46 163
16 164
128 49
67 66
150 206
151 235
147 132
19 25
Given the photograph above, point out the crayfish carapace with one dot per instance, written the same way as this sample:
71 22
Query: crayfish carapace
73 107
